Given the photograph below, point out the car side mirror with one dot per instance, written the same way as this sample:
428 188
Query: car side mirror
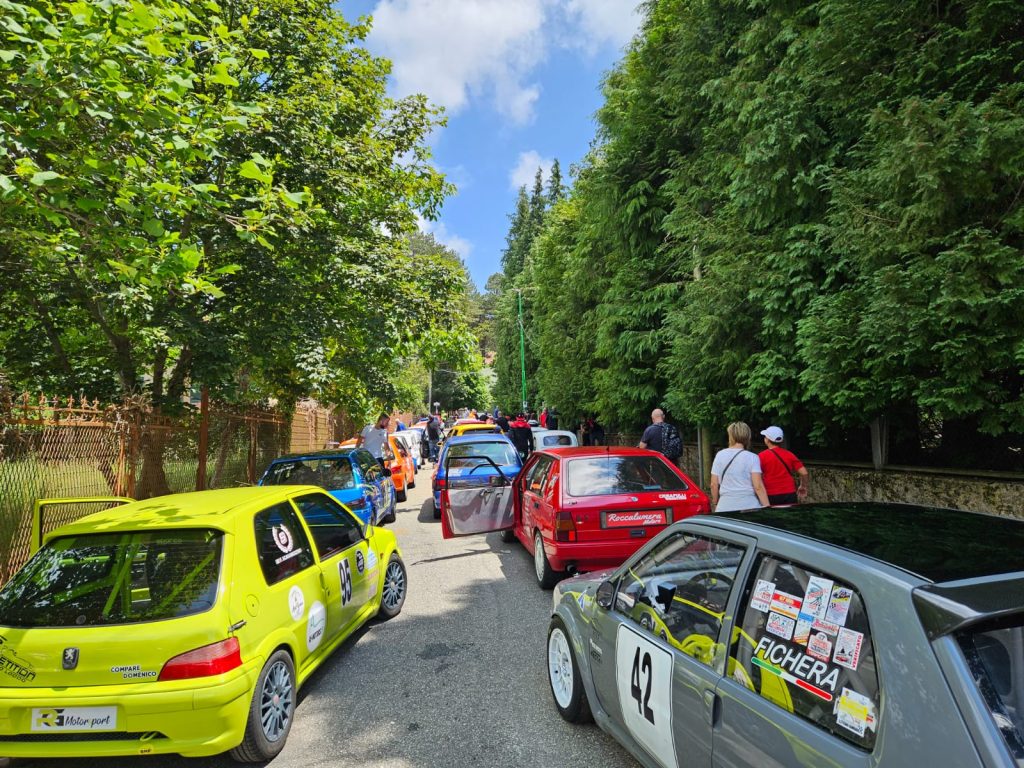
497 481
605 595
386 471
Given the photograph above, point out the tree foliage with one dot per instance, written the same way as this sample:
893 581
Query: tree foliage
217 194
807 211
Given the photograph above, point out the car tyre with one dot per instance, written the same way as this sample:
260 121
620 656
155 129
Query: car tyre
564 676
274 695
390 517
437 510
412 483
401 495
508 536
394 589
547 576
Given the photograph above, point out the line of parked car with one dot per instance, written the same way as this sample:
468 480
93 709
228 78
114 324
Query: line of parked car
842 635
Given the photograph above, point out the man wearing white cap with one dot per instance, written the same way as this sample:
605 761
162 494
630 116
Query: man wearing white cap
778 466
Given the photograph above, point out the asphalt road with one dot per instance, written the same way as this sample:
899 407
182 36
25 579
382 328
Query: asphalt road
458 679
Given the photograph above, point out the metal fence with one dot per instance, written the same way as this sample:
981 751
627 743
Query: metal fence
68 447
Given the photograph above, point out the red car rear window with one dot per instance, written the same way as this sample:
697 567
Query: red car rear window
608 475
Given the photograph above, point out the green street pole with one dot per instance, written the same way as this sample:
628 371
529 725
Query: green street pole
522 348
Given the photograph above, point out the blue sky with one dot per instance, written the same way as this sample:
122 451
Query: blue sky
520 80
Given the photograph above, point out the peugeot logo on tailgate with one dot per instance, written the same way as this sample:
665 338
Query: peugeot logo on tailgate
70 659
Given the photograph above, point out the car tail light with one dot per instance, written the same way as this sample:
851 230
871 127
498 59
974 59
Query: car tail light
209 660
360 503
440 483
565 528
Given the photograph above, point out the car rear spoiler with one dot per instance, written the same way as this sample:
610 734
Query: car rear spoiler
948 608
41 504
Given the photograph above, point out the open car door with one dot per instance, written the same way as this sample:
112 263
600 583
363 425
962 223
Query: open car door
477 498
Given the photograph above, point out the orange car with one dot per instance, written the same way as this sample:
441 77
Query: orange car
403 468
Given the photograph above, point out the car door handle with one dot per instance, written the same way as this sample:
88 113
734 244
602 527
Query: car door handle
536 504
713 704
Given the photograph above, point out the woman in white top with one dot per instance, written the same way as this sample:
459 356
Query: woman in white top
736 474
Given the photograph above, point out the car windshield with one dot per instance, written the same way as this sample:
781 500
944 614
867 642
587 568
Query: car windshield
607 475
470 454
333 474
115 578
995 657
553 440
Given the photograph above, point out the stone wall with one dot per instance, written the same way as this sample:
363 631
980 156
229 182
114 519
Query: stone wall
995 495
982 492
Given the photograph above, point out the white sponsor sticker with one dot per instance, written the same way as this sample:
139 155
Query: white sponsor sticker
819 646
848 645
816 597
779 625
296 602
762 598
855 712
838 605
643 679
53 719
315 625
371 559
283 538
786 604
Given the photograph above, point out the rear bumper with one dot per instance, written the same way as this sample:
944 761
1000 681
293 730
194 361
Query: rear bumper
591 556
205 718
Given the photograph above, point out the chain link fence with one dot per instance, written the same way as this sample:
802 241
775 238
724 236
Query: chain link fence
68 448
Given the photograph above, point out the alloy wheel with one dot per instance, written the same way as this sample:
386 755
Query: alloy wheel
394 585
560 668
276 701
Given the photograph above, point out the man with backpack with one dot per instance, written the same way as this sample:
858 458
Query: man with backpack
662 437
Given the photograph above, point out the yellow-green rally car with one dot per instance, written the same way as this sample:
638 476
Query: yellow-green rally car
185 623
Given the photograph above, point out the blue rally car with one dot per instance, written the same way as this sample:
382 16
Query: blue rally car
351 475
479 455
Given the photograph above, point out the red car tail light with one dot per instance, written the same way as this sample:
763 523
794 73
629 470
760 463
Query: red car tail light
440 483
565 528
215 659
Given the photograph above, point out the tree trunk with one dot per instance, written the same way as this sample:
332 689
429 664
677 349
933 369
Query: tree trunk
154 480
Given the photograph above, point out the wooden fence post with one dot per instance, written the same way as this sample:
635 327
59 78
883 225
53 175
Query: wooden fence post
204 438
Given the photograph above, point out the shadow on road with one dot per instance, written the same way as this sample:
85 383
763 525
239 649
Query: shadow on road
426 514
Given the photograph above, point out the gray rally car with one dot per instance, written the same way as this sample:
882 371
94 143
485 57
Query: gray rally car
825 635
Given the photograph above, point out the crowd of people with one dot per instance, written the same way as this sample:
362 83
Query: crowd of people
740 478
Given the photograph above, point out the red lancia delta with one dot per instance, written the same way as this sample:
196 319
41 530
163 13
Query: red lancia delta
576 509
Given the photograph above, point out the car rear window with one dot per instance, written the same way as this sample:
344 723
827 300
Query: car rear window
115 578
995 656
330 474
467 454
607 475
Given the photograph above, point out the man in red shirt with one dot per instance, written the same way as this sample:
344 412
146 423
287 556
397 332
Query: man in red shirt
778 466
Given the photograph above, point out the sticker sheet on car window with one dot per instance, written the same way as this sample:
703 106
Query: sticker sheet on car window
804 645
643 680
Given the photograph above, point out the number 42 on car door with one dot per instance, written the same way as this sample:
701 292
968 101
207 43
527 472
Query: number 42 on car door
643 676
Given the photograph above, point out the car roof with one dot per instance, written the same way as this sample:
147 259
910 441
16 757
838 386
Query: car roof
329 453
485 437
574 451
199 509
935 544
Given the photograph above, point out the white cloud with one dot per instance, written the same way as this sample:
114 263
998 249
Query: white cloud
453 50
602 22
460 245
525 170
458 51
